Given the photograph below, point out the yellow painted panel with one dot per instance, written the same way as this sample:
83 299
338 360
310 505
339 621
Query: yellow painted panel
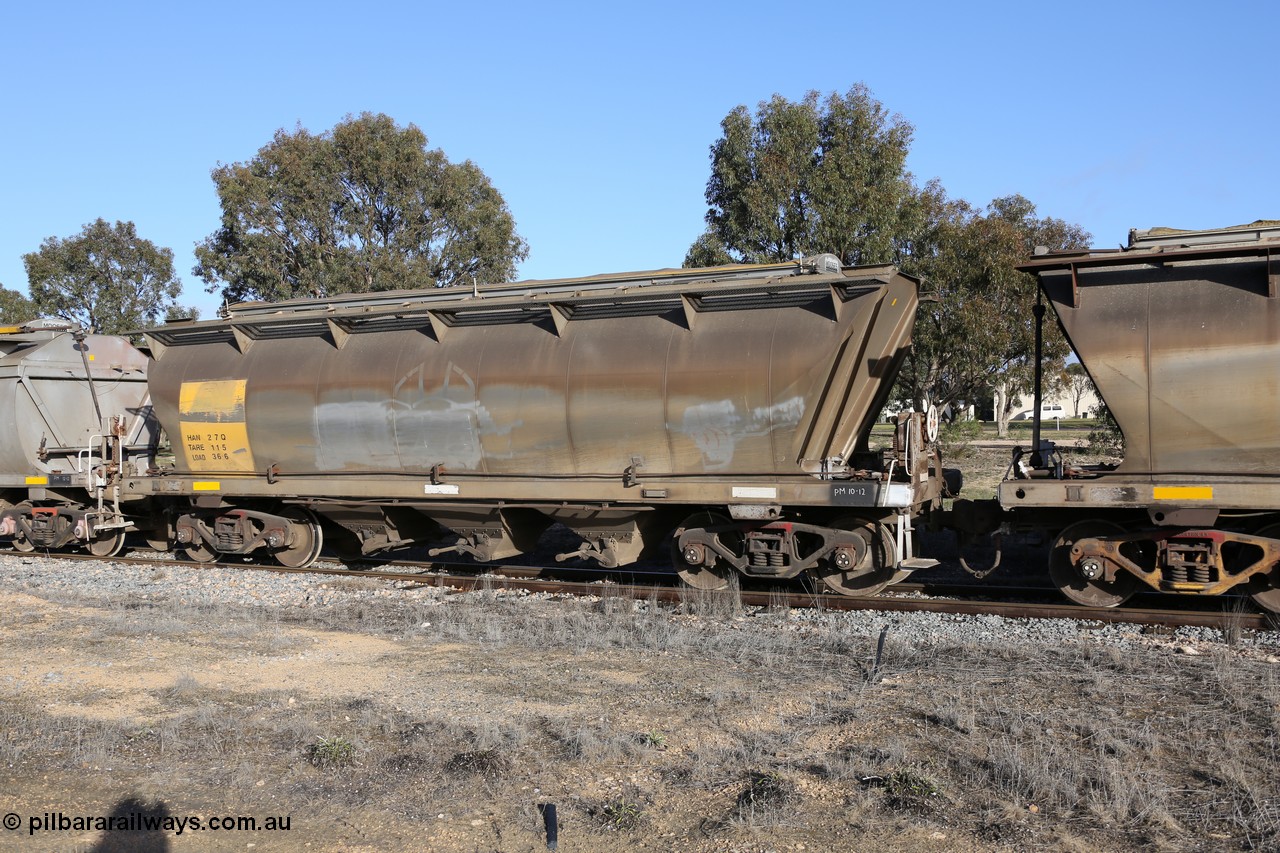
216 446
212 402
37 481
206 486
1183 493
214 435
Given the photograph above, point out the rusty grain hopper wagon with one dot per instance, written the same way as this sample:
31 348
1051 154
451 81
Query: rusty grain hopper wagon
1180 333
76 418
723 413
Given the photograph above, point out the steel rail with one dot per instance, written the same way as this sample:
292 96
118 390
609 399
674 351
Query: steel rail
517 578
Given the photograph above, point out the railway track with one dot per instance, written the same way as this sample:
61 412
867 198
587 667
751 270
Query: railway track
1007 602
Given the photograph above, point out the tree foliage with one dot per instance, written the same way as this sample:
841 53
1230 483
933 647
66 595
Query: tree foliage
366 206
15 308
708 251
1106 438
105 278
815 176
980 333
829 175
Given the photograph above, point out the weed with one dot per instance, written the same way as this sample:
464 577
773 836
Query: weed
956 437
765 799
332 752
906 790
713 604
1233 631
910 786
600 743
620 815
488 763
184 687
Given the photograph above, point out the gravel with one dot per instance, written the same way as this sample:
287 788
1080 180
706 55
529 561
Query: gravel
105 582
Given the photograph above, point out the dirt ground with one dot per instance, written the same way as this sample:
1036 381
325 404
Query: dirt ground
450 723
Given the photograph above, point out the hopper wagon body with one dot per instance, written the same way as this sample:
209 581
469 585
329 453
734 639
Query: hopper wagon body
725 410
1180 332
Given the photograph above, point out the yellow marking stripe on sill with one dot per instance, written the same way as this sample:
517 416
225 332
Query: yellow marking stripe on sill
206 486
37 481
1182 493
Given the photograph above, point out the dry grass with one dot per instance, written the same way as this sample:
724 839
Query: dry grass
693 728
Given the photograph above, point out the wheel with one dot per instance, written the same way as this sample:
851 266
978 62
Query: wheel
1265 589
110 543
159 538
1075 586
200 553
716 575
305 539
873 572
19 542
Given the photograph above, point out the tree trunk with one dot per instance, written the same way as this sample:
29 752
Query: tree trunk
1003 405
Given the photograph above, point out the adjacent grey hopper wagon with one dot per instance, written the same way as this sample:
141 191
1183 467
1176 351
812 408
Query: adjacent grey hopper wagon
726 409
76 418
1180 333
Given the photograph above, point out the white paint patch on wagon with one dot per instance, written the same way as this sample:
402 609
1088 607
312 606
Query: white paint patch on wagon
716 427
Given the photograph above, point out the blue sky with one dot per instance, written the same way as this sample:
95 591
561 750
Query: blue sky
594 120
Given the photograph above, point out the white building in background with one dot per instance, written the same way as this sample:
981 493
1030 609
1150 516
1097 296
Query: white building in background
1058 406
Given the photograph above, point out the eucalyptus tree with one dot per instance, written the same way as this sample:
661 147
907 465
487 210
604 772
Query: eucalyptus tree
365 206
818 175
106 278
978 337
14 307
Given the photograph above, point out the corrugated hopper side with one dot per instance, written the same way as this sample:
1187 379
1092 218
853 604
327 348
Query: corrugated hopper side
760 370
1182 338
